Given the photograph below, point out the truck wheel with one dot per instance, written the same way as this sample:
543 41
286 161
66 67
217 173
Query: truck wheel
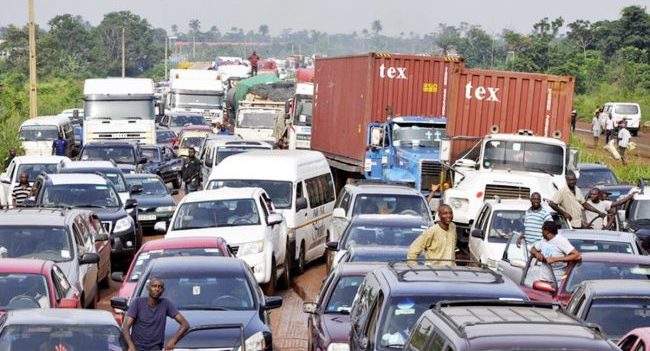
270 287
177 182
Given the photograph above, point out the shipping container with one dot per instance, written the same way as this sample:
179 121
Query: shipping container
510 101
352 91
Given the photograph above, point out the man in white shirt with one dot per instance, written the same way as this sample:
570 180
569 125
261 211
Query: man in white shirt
554 249
609 128
597 219
624 137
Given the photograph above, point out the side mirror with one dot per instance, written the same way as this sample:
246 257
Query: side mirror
120 303
301 204
332 245
117 276
275 218
68 303
466 163
160 227
89 258
621 218
477 233
272 302
175 147
131 203
4 178
287 105
309 307
102 237
135 189
174 192
338 213
543 286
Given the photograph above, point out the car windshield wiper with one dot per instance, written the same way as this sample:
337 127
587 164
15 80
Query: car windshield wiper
203 307
89 205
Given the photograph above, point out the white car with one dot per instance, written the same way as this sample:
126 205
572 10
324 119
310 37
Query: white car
246 219
629 112
32 165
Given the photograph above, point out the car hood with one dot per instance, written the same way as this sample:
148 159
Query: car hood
126 168
336 327
233 235
215 338
109 213
146 202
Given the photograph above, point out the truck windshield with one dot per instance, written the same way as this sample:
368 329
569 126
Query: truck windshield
303 112
39 133
256 119
107 153
184 121
413 134
201 101
119 109
523 156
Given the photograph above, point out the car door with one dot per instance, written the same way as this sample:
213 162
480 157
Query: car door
87 272
272 232
7 181
514 258
102 247
532 273
475 240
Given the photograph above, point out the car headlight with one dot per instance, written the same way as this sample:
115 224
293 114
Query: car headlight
251 248
255 342
123 224
166 209
458 203
338 347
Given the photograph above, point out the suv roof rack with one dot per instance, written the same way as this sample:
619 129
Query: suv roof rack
422 266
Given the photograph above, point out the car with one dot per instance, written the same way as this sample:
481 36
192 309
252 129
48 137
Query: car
246 219
191 138
328 323
628 112
377 230
495 224
183 247
391 298
383 254
57 235
615 192
218 147
635 340
617 306
155 201
32 165
636 215
503 325
108 169
165 136
97 193
212 291
125 154
34 283
592 175
176 121
162 161
56 329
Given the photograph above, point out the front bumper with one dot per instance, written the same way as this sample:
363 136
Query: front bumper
148 220
123 243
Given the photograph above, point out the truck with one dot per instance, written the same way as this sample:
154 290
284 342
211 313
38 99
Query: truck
119 109
196 91
295 126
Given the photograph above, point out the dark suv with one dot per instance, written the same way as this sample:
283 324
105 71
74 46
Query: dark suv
503 325
125 154
390 299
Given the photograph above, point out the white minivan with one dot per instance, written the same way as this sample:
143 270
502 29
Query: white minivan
37 134
216 150
301 187
629 112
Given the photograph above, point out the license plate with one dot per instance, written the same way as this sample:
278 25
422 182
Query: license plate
119 135
146 217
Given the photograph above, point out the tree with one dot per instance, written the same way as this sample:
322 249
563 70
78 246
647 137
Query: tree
195 25
635 27
582 33
448 37
175 29
376 26
263 30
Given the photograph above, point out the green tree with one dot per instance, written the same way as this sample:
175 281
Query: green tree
635 27
582 34
448 38
263 30
66 50
376 26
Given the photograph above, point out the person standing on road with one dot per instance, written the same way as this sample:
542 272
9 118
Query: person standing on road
609 128
58 146
569 202
253 59
534 218
12 154
21 191
624 137
190 172
554 249
144 327
595 128
438 241
574 117
605 208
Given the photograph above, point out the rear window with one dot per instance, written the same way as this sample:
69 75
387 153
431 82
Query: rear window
626 109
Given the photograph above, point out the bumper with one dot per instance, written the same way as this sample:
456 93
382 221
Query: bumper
148 220
123 243
258 263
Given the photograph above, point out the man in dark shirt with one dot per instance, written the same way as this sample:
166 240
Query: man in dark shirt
253 59
12 154
144 327
190 172
59 146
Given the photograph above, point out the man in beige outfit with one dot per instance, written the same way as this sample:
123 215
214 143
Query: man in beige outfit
438 242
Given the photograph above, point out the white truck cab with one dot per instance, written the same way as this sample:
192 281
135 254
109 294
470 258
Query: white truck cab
196 91
256 120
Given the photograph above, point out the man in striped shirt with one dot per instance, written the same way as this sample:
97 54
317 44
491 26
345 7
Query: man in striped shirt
22 190
534 218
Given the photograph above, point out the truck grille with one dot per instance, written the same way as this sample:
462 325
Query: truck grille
120 136
430 174
506 192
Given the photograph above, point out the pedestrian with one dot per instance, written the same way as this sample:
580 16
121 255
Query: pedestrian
191 171
222 129
12 154
554 249
605 208
534 218
595 128
438 241
609 128
253 59
574 117
59 146
144 327
624 137
22 190
569 202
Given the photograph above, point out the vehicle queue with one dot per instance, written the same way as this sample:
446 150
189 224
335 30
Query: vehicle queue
254 217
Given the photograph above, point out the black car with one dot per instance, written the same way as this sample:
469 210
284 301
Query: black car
125 154
155 201
595 174
217 296
165 136
162 161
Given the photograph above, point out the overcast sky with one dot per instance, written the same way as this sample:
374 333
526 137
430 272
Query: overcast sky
333 16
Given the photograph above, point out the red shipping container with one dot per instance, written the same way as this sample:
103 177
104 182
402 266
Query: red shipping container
352 91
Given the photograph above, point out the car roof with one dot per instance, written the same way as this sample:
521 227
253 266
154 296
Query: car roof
58 316
183 243
514 204
388 220
34 216
598 235
77 178
356 268
615 257
89 164
222 194
617 287
110 143
592 166
381 188
39 159
27 266
196 264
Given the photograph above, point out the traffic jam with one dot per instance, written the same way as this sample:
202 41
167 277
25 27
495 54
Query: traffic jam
444 205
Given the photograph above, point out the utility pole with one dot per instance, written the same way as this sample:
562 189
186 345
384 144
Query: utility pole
123 66
166 44
194 47
33 106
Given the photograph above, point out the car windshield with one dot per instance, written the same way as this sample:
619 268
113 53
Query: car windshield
380 235
257 119
216 213
119 109
590 178
279 191
209 290
194 142
617 316
640 210
398 318
202 101
586 245
504 223
150 185
223 153
62 337
33 170
184 121
143 259
606 270
38 133
20 291
164 137
391 204
42 242
626 109
80 195
151 154
123 154
524 156
304 112
343 294
414 134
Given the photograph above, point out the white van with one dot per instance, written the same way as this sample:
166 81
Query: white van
37 134
301 187
217 150
629 112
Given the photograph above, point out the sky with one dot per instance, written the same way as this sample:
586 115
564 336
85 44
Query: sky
332 16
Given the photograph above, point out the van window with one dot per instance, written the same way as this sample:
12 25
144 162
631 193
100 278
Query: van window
39 133
299 193
626 109
320 190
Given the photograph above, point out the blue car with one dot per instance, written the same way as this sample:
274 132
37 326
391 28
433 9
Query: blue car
162 161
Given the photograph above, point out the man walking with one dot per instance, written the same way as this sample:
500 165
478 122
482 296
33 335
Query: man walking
609 128
21 191
12 154
253 59
595 129
144 327
574 117
534 218
58 146
438 241
190 172
624 137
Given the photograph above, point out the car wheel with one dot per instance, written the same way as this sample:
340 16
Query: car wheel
270 287
178 181
300 265
285 280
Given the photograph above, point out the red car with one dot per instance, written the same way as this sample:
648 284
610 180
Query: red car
33 283
636 340
186 246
